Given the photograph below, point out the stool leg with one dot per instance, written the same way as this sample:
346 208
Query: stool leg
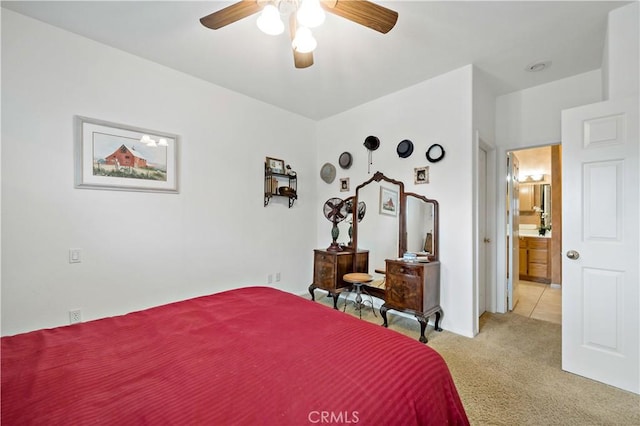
373 309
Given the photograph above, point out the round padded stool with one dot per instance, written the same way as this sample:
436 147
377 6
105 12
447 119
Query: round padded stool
356 279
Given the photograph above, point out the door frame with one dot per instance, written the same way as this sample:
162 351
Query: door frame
500 283
490 228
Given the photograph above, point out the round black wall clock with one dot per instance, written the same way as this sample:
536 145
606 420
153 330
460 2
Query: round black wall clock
435 153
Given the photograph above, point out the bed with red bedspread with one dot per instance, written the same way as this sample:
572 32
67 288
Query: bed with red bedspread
250 356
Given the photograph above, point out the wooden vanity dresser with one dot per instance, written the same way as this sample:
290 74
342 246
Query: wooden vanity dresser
413 287
330 266
406 222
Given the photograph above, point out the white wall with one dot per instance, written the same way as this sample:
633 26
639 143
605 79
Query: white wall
622 52
139 249
435 111
530 118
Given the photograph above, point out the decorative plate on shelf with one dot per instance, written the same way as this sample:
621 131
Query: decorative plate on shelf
328 172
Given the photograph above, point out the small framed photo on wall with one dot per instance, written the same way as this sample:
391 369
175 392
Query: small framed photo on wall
421 175
276 165
344 184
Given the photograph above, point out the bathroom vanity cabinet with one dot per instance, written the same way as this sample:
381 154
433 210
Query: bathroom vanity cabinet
535 262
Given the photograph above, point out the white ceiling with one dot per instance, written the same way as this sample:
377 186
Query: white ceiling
353 64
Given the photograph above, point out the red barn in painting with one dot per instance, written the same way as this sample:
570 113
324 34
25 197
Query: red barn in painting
126 157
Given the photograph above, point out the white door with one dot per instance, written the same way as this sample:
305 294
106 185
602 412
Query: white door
513 222
600 288
482 231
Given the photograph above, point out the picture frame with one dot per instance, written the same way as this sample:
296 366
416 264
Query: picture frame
120 157
421 175
344 184
388 201
276 165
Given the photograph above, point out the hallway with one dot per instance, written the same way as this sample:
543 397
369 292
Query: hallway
540 301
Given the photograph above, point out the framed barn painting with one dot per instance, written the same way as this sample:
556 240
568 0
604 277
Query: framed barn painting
388 201
118 157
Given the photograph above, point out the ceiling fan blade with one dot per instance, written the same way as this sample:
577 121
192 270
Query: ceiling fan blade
363 12
231 14
300 60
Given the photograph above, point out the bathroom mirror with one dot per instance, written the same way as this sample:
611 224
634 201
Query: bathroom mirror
535 204
545 191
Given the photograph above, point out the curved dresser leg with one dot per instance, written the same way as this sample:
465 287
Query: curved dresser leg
423 327
312 287
437 326
335 300
383 314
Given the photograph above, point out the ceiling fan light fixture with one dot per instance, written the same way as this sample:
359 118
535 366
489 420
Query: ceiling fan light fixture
304 42
269 21
310 14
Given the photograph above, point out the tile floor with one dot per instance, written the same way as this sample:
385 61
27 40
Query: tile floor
540 301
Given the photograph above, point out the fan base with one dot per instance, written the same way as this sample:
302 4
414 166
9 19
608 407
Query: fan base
334 247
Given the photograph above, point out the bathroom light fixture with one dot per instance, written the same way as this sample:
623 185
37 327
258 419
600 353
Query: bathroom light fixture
534 178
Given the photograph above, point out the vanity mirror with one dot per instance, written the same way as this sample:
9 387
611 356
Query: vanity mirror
380 232
421 217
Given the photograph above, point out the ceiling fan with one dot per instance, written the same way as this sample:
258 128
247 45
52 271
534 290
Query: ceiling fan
303 14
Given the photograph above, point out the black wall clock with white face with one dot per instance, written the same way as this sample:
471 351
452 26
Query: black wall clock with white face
435 153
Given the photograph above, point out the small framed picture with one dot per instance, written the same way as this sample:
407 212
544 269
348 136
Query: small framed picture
276 166
388 201
421 175
344 184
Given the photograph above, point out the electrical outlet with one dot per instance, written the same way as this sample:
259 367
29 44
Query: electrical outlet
277 276
270 279
75 316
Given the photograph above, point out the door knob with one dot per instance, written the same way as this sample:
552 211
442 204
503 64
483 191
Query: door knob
573 255
487 240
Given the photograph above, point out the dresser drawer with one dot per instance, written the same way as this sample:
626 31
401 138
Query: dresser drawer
324 275
404 268
404 291
324 257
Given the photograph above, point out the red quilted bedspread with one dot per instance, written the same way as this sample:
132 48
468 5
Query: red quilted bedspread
248 356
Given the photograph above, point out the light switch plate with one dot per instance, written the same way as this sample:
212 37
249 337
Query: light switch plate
75 255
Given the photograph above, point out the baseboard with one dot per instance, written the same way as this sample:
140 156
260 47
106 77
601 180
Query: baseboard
554 285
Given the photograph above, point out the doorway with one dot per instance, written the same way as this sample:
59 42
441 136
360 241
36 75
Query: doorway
537 239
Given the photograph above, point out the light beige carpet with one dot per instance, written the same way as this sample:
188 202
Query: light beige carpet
510 374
